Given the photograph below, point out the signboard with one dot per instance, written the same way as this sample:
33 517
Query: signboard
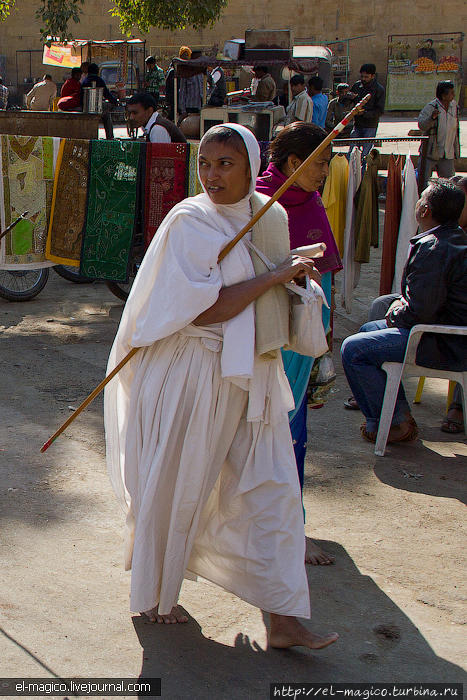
62 56
412 91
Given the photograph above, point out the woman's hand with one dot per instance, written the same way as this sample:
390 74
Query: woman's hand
297 267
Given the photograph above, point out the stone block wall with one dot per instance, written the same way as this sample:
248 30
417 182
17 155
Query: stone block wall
312 21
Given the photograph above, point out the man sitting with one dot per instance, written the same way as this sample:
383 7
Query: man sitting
70 95
142 112
301 107
434 290
42 95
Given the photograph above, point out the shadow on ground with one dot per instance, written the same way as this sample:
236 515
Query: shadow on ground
378 643
435 468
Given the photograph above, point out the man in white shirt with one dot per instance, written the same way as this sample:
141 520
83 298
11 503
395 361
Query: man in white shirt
42 95
142 112
301 107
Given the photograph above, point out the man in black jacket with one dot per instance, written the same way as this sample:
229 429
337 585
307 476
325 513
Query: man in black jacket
366 123
434 291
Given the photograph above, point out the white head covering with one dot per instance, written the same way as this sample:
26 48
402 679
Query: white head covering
252 149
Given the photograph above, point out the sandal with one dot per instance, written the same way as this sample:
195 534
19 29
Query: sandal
452 426
410 435
351 404
366 435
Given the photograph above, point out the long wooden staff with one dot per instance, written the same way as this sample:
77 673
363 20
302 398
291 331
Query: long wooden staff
288 183
16 221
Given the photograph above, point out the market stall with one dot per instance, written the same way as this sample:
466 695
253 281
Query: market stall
124 58
416 63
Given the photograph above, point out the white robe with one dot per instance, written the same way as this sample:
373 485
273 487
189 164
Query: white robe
351 268
198 441
408 224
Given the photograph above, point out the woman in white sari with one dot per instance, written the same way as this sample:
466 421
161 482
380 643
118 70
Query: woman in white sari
198 442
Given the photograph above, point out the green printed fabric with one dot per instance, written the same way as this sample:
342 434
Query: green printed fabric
111 209
26 184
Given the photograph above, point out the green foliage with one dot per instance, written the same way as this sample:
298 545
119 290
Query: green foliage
5 7
56 15
166 14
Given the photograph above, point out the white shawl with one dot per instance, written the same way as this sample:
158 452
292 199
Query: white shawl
179 279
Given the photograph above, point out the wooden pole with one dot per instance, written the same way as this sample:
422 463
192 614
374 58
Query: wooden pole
288 183
16 221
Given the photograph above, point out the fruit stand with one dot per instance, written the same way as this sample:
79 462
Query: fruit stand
416 63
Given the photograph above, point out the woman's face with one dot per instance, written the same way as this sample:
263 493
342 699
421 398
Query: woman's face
224 172
314 175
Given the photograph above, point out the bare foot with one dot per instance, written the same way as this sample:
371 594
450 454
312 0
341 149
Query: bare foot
288 632
315 555
176 615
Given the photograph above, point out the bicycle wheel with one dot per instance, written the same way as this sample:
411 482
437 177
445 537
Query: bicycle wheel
120 289
71 274
22 285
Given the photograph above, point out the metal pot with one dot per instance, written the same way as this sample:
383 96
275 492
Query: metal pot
92 99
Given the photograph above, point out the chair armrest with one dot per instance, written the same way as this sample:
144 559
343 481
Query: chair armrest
421 328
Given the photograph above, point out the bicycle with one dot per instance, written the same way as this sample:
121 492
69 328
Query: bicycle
21 285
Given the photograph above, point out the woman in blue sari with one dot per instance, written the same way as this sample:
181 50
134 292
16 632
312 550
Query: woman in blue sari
308 224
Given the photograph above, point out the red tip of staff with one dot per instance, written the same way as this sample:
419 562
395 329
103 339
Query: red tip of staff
46 445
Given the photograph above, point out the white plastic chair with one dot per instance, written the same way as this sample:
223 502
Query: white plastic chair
396 370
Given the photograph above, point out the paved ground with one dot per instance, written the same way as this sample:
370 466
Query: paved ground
396 593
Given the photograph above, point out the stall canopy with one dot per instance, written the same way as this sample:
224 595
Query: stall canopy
72 53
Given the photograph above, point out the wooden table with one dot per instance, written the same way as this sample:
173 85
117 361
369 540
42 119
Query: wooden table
73 125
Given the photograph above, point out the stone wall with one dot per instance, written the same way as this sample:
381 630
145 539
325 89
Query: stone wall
310 22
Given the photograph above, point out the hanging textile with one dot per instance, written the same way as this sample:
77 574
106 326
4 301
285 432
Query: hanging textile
335 196
351 268
111 209
367 210
392 218
123 63
68 210
27 167
408 225
166 182
194 185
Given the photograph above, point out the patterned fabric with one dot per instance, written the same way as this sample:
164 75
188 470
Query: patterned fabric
27 167
111 209
68 212
166 183
154 79
190 94
194 185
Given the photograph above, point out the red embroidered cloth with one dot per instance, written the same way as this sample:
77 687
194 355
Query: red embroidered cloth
166 182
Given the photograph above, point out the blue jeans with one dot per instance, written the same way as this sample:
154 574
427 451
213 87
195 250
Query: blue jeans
363 133
362 357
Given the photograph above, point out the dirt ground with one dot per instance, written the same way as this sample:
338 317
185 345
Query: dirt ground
396 593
